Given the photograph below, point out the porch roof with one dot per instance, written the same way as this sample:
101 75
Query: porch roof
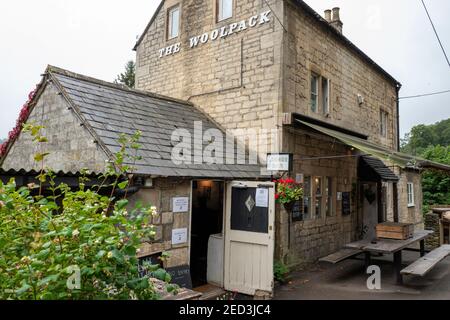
400 159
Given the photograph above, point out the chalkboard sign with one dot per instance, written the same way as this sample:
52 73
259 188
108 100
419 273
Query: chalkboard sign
346 204
181 276
297 212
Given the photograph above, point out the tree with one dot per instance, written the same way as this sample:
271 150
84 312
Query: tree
436 184
128 77
423 136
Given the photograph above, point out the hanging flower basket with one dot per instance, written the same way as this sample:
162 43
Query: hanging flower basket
288 192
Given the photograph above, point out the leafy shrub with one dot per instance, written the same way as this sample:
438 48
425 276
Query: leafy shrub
280 271
74 244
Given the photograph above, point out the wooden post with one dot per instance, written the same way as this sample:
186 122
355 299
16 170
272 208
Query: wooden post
398 266
396 204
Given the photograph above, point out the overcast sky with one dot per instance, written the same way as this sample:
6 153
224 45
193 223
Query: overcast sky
96 38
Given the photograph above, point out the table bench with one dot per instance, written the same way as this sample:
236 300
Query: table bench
341 255
424 265
390 246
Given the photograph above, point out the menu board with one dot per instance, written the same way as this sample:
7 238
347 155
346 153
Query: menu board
346 203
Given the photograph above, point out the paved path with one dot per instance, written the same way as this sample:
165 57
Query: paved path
347 281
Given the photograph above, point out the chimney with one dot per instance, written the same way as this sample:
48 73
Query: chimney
336 20
328 15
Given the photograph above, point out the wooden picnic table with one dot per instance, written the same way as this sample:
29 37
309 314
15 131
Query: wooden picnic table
391 246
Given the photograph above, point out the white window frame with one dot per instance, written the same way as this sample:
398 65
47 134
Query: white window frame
383 123
220 5
314 93
410 194
170 26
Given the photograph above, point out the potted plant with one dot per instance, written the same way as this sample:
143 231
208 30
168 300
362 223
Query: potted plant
287 192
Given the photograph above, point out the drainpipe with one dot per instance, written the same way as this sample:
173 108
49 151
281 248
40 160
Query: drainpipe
397 89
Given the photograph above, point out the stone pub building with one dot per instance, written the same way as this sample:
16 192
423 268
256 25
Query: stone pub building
252 65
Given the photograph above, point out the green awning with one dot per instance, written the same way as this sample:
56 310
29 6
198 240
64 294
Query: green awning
403 160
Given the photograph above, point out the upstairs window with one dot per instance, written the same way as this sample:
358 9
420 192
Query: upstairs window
173 22
320 94
314 92
383 123
224 9
325 96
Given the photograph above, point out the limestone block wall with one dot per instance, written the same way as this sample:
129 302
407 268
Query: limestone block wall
235 79
310 47
70 145
433 222
314 238
411 214
161 195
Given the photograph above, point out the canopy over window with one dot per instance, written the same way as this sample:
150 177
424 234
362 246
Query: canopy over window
400 159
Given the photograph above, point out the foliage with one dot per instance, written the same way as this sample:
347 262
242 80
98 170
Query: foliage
436 184
14 133
431 142
423 136
288 191
74 244
127 78
280 271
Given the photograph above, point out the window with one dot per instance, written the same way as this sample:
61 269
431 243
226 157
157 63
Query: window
224 9
410 192
173 22
318 193
314 92
307 197
329 196
325 96
383 123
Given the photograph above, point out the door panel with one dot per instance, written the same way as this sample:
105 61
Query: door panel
249 238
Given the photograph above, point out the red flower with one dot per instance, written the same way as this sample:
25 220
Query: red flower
277 196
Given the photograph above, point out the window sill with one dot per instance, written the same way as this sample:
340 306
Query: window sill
411 205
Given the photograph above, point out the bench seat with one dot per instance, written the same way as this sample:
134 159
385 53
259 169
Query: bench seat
340 255
424 265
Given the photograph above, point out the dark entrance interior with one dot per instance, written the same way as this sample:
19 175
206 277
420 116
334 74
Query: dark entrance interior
207 220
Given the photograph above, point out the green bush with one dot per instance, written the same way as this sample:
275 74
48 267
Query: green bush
73 244
280 271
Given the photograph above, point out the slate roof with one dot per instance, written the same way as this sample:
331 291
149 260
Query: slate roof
108 110
380 168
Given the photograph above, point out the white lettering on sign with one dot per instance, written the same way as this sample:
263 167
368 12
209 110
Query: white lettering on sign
170 50
220 33
278 162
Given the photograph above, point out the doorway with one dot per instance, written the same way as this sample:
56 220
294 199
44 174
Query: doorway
207 232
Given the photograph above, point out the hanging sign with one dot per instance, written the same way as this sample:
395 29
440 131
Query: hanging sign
279 162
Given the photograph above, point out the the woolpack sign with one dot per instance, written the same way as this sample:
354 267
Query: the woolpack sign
219 33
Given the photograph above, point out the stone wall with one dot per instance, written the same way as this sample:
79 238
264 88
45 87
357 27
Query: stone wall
70 145
412 214
235 79
317 237
161 195
432 222
310 47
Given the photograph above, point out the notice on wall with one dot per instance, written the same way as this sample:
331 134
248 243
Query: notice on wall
179 236
262 197
180 204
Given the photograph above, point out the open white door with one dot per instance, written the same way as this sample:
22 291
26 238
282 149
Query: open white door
249 237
